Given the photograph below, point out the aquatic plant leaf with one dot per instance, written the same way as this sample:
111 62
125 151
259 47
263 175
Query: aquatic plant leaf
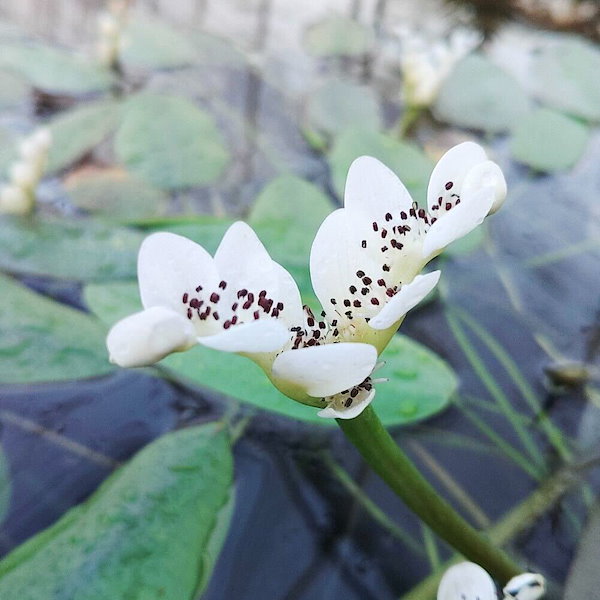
8 151
337 36
154 45
43 340
170 142
115 195
53 70
421 384
480 95
152 530
405 159
78 130
548 141
13 89
81 250
338 104
565 76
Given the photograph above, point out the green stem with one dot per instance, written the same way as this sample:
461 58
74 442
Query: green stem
385 457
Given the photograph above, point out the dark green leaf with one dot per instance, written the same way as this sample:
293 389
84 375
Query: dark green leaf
338 36
46 341
548 141
148 532
405 159
53 70
480 95
76 131
170 142
81 250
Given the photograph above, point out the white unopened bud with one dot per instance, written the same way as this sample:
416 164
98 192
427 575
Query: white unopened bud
15 201
108 26
527 586
24 175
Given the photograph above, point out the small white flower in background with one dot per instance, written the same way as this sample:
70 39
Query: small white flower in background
18 196
425 64
110 28
365 263
468 581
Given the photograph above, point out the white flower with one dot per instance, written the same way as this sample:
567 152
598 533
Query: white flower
366 258
425 64
468 581
14 201
239 301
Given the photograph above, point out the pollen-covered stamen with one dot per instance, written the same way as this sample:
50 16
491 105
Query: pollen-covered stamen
446 200
346 398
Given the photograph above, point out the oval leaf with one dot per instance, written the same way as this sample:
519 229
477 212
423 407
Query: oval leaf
169 142
148 532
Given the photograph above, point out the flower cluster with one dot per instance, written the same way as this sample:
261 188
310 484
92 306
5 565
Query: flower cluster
468 581
365 264
18 196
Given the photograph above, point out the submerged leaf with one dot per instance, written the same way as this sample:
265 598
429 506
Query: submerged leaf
152 530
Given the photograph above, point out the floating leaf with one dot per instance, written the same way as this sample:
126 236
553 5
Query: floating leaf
170 142
148 532
81 250
43 340
405 159
154 45
565 76
337 105
76 131
115 194
480 95
13 89
338 36
53 70
548 141
421 383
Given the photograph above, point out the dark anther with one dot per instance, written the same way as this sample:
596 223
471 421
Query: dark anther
332 300
367 280
375 301
357 303
449 185
348 402
262 293
185 298
381 282
375 226
216 316
448 205
346 302
199 288
223 285
385 248
386 268
360 273
214 297
403 215
383 234
364 243
388 217
189 313
364 291
242 293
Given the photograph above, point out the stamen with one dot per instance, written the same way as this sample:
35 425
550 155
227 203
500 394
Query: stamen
185 298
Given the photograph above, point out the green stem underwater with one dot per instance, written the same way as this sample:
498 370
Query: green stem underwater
384 456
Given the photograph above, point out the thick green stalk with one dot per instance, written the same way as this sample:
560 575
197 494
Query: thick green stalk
385 457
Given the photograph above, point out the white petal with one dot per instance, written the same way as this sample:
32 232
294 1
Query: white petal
459 221
486 174
408 297
148 336
453 166
372 190
347 413
168 266
527 586
288 293
466 581
326 370
264 335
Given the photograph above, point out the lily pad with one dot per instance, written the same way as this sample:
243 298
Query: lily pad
338 104
55 71
170 142
152 530
115 195
81 250
565 76
405 159
548 141
13 89
338 36
421 384
43 340
480 95
154 45
77 131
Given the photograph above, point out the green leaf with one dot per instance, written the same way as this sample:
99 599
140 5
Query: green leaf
217 51
43 340
82 250
170 142
338 36
53 70
405 159
148 532
13 89
565 76
8 151
548 141
338 104
116 195
152 44
480 95
77 131
421 384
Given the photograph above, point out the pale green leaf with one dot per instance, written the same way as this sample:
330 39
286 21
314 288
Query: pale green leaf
338 36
